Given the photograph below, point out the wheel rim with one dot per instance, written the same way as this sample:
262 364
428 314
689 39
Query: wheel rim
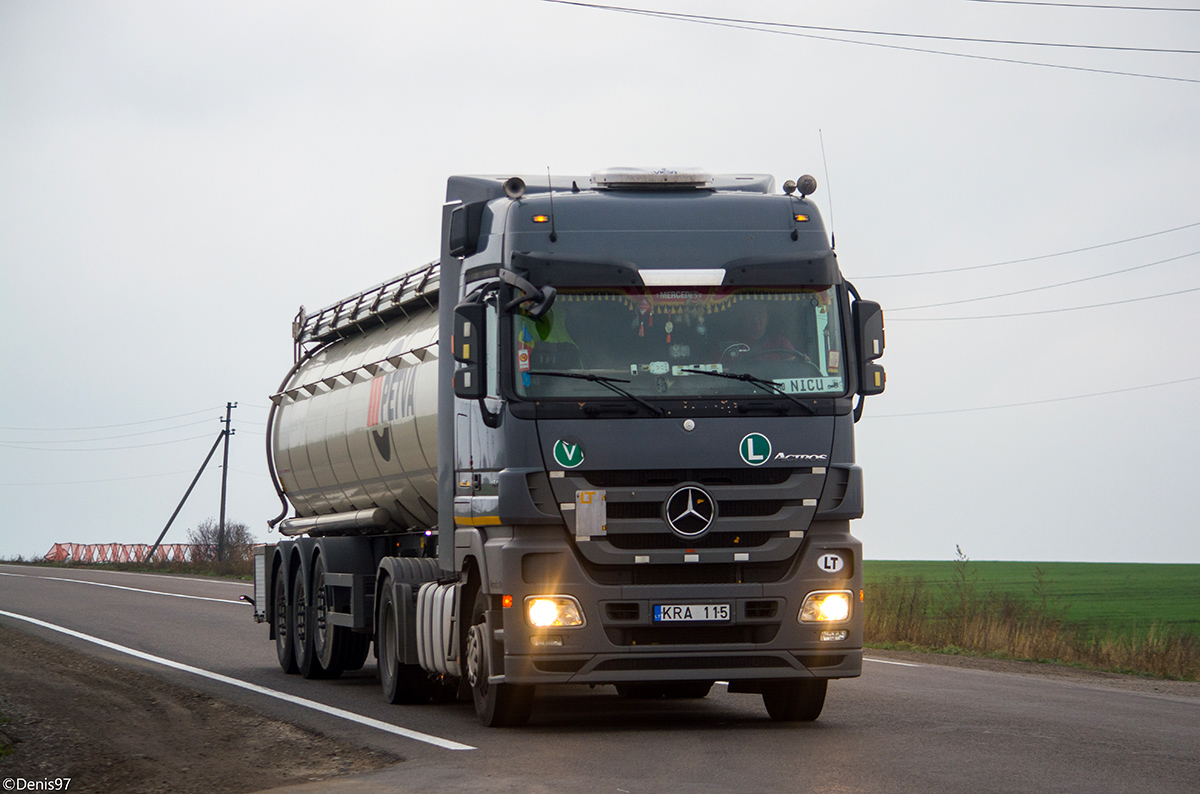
476 659
281 621
319 618
386 635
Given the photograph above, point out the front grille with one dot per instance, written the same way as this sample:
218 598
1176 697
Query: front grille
638 541
664 478
688 573
732 508
690 635
692 663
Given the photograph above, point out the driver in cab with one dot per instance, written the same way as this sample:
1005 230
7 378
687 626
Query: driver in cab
752 337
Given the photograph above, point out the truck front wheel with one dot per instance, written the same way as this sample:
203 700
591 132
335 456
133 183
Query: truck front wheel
402 683
795 701
497 705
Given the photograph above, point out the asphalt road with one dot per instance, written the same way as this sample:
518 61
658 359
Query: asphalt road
898 728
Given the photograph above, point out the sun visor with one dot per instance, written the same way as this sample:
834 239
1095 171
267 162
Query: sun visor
568 271
816 267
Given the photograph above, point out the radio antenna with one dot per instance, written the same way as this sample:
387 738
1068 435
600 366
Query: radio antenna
828 189
550 182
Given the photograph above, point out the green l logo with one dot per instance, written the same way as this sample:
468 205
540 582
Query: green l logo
568 455
755 449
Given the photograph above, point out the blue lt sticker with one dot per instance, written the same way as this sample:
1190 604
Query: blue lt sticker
568 455
755 449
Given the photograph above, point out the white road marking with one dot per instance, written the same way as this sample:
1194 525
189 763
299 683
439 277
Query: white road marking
262 690
122 587
889 661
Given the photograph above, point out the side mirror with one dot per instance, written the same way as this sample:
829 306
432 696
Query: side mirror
465 229
869 342
468 345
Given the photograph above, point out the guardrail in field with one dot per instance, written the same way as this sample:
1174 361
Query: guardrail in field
126 552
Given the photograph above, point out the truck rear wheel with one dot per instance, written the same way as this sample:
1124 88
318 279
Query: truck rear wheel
329 641
795 701
497 705
302 633
285 649
402 683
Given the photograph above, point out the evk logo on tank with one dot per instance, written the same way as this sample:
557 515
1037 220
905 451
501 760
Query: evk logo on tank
392 399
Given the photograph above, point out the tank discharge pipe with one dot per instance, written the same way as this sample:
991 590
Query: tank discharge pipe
367 520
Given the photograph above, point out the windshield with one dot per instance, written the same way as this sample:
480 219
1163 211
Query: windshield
704 342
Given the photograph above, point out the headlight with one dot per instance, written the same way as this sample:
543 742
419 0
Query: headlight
826 607
547 611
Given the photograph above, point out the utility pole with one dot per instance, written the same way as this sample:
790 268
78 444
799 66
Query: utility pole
224 480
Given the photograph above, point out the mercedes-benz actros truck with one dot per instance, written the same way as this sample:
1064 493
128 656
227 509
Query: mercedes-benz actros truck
606 438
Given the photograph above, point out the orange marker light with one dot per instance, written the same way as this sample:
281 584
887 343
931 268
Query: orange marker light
802 218
541 218
506 601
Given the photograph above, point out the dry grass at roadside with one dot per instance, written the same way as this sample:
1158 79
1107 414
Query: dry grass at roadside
241 568
960 617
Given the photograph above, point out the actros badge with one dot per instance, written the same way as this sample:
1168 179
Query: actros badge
690 511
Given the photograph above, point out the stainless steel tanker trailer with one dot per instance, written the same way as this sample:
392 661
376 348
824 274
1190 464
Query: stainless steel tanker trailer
607 438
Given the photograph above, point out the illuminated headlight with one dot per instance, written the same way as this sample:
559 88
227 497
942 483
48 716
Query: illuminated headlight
826 607
547 611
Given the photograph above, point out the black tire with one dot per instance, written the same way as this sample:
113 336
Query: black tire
673 690
497 705
306 655
284 647
329 641
795 701
401 683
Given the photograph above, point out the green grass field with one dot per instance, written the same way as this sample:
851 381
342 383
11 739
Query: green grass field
1121 598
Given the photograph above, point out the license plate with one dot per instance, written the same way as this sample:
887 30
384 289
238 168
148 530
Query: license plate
671 613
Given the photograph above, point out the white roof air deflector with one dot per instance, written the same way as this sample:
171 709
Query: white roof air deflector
711 277
651 178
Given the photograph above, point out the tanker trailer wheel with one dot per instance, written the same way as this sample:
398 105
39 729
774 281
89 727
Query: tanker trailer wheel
302 632
402 683
795 701
329 641
284 627
497 705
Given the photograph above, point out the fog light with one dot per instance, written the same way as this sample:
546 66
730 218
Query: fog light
826 607
834 636
551 641
547 611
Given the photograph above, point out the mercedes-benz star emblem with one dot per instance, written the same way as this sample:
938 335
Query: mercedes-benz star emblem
690 511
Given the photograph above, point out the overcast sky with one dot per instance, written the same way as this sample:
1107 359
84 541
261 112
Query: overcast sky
177 178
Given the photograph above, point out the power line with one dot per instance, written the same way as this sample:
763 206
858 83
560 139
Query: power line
1046 311
865 32
1029 258
1085 5
109 438
737 24
1037 402
126 424
1047 286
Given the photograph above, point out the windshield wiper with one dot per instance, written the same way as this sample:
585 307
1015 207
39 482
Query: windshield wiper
760 382
608 383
